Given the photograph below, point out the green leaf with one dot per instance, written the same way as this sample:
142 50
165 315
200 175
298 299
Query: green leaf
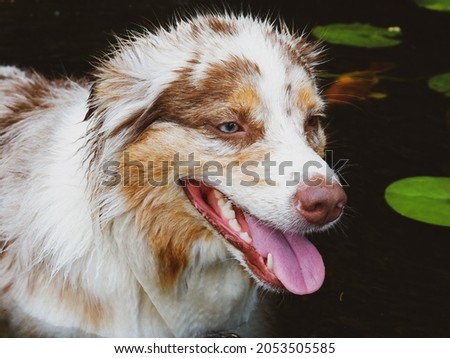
437 5
359 35
440 83
425 199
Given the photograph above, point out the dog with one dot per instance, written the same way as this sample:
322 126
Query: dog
158 198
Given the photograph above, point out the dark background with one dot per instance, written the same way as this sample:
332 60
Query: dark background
387 276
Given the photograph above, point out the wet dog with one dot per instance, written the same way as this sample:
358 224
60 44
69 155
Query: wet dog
157 199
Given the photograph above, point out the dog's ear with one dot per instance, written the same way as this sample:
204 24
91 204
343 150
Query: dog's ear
133 125
129 126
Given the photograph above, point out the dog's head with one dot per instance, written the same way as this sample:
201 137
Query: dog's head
215 126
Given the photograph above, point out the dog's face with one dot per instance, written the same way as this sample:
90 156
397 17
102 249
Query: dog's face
223 115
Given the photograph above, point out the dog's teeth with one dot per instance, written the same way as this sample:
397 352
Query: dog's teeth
234 225
227 205
269 262
224 203
246 237
221 202
218 194
226 209
228 213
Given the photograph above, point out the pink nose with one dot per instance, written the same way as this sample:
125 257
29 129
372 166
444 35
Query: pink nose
321 203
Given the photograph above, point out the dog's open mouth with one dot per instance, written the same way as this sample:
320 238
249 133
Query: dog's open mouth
278 259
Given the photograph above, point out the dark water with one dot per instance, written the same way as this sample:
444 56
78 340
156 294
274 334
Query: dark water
387 276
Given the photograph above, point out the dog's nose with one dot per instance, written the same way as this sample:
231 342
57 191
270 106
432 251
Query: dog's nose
321 203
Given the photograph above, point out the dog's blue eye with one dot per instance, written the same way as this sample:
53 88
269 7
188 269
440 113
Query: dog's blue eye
230 127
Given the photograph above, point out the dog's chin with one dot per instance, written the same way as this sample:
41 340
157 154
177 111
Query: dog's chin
277 260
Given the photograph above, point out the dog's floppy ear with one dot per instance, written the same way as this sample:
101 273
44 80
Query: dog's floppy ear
134 124
109 121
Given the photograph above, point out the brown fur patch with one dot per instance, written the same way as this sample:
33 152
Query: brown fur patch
71 296
30 95
94 312
307 99
245 99
221 26
209 103
305 54
317 140
202 105
171 238
302 52
173 229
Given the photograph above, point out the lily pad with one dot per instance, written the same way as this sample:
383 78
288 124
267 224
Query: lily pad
440 83
436 5
425 199
359 35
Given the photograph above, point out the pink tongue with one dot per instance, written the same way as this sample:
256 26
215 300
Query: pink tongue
296 262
